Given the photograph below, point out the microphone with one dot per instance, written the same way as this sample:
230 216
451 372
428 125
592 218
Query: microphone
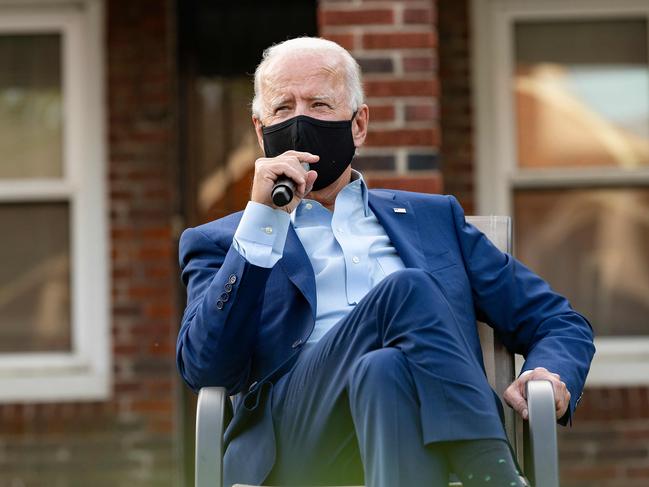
282 192
284 189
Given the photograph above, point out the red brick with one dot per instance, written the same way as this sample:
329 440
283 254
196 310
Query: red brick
152 406
400 40
430 183
355 17
381 113
419 64
400 87
421 113
418 16
402 137
345 40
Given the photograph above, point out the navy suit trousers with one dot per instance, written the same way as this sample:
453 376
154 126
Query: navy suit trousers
375 396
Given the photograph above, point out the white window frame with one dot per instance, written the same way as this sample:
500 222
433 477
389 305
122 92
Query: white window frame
619 360
84 373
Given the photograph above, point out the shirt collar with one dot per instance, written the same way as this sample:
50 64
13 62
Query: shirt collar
356 181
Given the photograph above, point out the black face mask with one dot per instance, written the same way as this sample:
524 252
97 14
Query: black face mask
331 140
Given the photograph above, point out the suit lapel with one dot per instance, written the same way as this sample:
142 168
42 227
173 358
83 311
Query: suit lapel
401 227
297 266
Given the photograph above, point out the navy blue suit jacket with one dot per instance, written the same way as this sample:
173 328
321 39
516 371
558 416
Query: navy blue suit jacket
244 325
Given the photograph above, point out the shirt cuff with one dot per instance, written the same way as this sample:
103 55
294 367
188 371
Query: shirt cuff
261 234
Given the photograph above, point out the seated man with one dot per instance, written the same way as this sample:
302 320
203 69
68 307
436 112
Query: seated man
345 321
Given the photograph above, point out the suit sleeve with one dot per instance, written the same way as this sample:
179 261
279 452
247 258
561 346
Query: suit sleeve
526 314
219 326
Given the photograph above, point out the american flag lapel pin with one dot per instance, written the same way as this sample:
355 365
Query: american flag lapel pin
399 210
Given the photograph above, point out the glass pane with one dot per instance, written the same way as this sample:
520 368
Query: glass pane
34 277
31 121
224 144
582 93
592 245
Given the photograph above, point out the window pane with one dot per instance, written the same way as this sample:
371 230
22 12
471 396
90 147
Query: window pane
582 93
224 144
34 277
31 120
592 245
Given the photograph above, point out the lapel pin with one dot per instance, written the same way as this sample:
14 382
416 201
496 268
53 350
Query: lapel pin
399 210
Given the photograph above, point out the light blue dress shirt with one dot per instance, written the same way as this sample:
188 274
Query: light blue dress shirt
347 246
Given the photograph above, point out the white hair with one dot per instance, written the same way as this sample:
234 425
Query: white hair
300 45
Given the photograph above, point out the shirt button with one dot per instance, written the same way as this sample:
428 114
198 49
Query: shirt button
268 230
355 260
232 279
219 304
340 230
308 206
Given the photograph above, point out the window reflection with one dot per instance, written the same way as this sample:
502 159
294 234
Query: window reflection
593 246
34 278
579 106
30 106
224 144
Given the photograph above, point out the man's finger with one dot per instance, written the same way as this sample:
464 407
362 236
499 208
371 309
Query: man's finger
561 398
515 399
302 156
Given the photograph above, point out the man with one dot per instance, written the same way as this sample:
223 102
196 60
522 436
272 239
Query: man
345 321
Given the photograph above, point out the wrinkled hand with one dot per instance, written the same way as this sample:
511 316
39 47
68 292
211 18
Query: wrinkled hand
515 394
269 169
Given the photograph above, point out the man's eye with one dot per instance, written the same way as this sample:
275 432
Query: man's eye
320 104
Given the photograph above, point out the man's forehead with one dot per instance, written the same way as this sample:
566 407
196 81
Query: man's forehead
302 68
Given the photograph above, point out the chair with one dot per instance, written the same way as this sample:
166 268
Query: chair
534 442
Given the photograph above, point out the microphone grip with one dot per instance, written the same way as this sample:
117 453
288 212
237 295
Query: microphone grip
283 191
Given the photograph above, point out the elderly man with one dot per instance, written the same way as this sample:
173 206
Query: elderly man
344 321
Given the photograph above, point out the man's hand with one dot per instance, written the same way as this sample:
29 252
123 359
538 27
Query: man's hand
515 394
268 170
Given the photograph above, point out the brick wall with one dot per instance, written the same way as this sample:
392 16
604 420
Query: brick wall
131 439
608 445
143 188
395 43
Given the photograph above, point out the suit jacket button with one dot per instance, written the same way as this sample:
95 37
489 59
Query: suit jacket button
219 304
232 279
297 343
228 288
224 297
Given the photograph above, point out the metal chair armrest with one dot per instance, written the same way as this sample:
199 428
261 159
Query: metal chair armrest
541 454
212 408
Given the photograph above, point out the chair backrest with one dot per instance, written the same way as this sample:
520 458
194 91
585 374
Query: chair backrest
499 362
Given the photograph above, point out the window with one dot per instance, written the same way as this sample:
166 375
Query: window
54 342
563 145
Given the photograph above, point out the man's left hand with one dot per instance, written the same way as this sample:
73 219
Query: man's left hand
515 394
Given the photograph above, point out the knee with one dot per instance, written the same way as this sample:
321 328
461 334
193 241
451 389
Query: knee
375 369
411 280
412 284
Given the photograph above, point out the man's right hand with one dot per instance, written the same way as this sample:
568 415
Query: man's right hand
269 169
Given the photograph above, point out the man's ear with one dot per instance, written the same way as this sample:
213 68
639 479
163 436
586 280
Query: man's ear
359 125
258 130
